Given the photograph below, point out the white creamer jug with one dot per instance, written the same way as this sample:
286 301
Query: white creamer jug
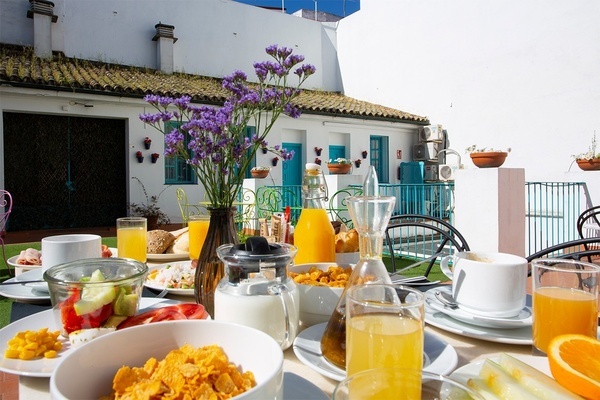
256 290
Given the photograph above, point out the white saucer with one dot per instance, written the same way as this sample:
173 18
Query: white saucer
521 320
469 371
447 323
29 292
43 367
440 357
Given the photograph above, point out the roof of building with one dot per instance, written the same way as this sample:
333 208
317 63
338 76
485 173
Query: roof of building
23 69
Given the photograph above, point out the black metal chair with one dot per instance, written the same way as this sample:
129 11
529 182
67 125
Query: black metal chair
422 237
588 223
586 249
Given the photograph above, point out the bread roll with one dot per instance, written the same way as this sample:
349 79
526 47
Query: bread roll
181 245
158 241
346 242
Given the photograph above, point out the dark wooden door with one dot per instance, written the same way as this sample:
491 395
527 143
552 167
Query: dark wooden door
64 171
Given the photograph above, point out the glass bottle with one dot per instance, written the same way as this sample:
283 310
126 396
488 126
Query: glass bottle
370 214
314 235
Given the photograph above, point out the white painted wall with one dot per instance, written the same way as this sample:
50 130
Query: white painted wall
519 73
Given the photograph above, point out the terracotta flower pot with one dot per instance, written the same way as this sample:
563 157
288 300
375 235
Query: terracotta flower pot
589 165
339 169
259 174
491 159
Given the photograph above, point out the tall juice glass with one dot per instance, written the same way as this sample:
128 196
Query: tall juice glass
384 329
131 238
565 300
198 228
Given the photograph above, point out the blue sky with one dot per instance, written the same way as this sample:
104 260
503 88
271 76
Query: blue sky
337 7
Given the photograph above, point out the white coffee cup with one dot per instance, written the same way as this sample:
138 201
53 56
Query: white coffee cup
487 283
65 248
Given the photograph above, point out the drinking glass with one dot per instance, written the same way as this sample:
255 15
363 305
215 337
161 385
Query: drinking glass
198 228
384 327
565 300
401 384
131 238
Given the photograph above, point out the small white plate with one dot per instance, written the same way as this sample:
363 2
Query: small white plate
521 320
155 286
13 262
28 292
168 257
469 371
511 336
439 358
43 367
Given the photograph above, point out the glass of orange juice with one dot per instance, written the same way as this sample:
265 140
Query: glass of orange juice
131 238
384 328
198 228
565 300
392 383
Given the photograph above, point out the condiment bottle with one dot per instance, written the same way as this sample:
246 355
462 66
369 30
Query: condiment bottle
314 235
370 214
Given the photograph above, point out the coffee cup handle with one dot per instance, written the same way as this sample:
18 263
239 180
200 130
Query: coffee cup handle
444 266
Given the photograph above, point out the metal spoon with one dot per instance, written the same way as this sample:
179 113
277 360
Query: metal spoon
446 299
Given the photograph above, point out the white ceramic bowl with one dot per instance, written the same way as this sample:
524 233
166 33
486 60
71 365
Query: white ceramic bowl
88 371
317 302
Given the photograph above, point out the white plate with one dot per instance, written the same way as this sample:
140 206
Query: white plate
45 319
168 257
156 286
469 371
439 357
521 320
13 262
447 323
29 292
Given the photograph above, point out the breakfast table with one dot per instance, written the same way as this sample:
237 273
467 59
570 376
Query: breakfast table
468 349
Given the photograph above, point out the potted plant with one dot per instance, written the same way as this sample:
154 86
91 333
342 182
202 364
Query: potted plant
364 154
139 156
318 150
590 160
147 142
260 172
339 166
274 161
318 161
155 157
487 157
357 162
149 209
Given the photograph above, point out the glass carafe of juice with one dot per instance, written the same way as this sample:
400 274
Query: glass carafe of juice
370 214
314 235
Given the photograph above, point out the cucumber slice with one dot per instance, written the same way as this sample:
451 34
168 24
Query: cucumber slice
125 303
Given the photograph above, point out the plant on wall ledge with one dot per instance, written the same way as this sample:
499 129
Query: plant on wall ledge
487 157
590 160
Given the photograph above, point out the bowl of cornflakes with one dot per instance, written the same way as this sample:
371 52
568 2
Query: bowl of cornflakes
320 286
196 357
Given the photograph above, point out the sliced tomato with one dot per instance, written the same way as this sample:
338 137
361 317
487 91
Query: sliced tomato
73 322
168 313
192 311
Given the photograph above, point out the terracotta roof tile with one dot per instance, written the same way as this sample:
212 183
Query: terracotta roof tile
22 68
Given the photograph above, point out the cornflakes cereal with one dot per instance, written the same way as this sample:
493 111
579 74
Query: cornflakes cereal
185 373
29 345
335 276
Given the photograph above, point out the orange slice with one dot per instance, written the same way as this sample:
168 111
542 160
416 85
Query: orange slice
575 363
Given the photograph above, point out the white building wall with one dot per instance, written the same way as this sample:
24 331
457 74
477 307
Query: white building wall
518 74
215 37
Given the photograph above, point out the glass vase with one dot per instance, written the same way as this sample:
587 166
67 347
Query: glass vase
210 269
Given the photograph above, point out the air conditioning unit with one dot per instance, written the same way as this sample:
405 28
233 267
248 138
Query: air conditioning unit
431 133
426 151
431 172
445 172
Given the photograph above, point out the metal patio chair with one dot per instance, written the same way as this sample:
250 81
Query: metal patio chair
422 237
5 209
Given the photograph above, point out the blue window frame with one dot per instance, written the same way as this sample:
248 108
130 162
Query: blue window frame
380 157
177 171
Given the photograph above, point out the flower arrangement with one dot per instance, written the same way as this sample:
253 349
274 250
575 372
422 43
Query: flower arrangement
147 140
591 154
150 208
139 154
219 151
340 160
155 155
475 149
